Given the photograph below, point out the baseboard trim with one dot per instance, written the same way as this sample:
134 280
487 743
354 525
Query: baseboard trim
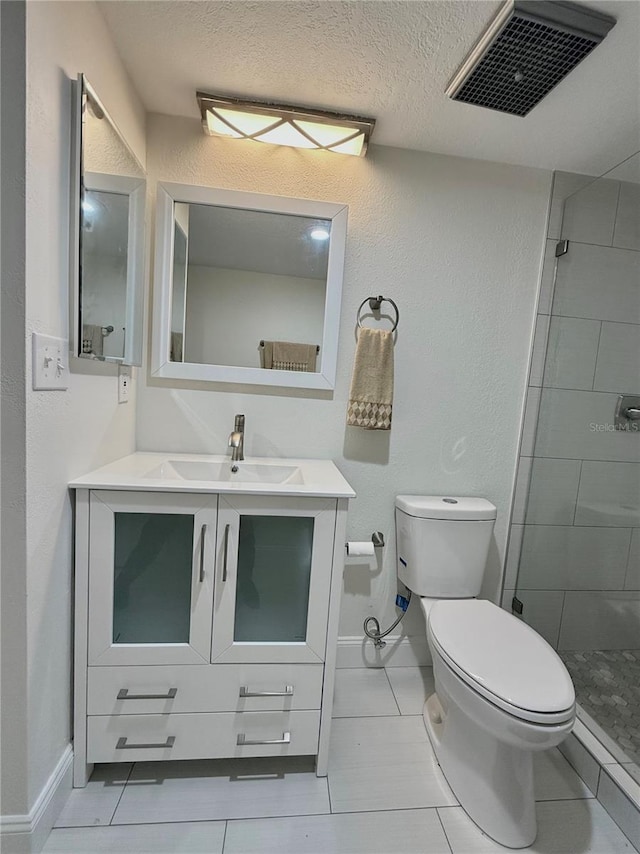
30 828
399 652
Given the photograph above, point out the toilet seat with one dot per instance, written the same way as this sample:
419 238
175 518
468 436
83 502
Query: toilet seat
502 659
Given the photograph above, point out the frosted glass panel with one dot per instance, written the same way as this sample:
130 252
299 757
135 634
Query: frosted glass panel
274 569
152 584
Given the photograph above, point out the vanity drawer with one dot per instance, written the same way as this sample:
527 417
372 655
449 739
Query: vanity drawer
203 688
135 738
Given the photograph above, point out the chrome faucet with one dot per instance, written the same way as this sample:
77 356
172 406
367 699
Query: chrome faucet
236 439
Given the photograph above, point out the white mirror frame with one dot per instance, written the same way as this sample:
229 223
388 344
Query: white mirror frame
167 195
135 188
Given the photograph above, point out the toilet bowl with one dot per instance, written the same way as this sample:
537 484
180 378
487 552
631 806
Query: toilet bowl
501 694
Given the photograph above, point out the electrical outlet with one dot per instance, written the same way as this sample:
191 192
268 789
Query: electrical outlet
124 381
50 362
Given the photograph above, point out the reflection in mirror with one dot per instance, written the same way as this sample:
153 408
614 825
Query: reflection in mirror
253 290
107 255
248 287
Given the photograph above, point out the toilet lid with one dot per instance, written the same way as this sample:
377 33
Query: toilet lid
501 656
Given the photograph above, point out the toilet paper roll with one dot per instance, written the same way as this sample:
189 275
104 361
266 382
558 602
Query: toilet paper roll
358 549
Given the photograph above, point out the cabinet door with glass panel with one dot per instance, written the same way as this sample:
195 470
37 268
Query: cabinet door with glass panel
273 575
151 567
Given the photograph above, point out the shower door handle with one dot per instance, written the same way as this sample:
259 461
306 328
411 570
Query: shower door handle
627 415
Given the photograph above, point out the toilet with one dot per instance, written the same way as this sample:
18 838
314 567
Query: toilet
501 691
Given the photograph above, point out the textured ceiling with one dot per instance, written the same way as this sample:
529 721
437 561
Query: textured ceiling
390 59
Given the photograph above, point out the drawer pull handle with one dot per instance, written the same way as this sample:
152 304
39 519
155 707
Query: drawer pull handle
122 743
225 557
203 534
286 739
123 694
245 692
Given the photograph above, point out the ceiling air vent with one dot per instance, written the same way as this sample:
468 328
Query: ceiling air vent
526 51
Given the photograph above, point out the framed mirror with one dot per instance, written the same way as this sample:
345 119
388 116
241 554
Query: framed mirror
247 287
107 237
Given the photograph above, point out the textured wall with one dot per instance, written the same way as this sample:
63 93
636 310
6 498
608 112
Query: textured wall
68 432
457 243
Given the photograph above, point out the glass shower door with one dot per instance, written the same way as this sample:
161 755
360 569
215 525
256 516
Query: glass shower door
579 569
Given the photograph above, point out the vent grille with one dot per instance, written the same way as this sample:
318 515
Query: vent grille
523 63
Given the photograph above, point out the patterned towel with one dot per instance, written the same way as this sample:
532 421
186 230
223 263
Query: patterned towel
371 395
287 356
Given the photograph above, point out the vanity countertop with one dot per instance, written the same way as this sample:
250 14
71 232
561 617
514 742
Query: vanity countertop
152 472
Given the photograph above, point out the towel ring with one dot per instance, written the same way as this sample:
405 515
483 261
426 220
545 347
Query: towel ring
374 305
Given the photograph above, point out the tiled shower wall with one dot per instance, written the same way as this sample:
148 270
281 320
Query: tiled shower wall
575 532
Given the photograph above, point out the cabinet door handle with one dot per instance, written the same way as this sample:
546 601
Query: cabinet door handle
225 555
286 739
123 694
245 692
203 533
122 744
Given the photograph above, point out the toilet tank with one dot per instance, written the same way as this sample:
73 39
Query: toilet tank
442 544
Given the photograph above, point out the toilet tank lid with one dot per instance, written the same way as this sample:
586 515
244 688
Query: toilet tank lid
446 507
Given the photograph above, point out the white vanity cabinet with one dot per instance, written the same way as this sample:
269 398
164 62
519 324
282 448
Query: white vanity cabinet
205 624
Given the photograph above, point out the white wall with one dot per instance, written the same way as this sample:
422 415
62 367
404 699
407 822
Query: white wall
13 640
68 432
458 244
230 311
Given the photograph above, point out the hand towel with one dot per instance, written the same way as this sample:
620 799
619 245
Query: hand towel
371 395
92 339
287 356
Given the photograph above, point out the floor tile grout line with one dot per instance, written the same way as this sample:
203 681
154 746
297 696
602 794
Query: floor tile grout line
444 830
274 817
113 814
346 812
589 797
224 836
329 793
393 693
368 714
350 717
214 820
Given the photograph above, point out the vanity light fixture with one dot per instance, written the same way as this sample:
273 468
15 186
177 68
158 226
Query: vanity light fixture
284 125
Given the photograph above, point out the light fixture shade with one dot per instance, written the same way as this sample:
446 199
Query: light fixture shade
283 125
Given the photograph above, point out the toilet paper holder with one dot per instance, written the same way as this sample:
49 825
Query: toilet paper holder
377 538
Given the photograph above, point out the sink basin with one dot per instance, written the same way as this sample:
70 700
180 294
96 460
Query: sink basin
222 472
149 471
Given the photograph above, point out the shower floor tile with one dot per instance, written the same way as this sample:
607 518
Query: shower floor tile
607 686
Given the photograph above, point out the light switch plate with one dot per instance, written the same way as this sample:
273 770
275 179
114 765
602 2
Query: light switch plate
50 366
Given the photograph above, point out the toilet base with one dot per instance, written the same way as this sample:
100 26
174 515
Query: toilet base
493 781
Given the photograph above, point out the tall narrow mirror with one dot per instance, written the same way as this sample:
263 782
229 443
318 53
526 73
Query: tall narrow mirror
107 243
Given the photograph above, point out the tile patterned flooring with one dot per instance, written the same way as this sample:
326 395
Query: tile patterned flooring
607 686
385 794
